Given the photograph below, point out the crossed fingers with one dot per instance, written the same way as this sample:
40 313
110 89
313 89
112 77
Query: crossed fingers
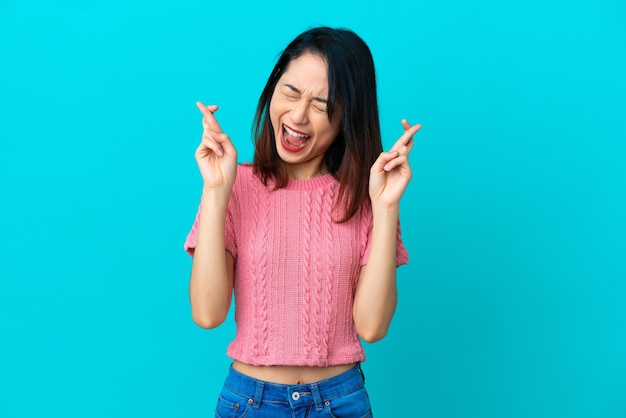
405 143
208 121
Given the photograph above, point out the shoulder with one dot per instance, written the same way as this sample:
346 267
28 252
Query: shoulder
247 183
246 176
245 170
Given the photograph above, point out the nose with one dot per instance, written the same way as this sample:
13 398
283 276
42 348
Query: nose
299 113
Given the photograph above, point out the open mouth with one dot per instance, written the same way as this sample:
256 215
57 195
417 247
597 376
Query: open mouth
293 140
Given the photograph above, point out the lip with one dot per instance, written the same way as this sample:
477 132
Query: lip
286 145
295 130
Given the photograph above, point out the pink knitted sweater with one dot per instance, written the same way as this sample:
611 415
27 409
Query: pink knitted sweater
295 271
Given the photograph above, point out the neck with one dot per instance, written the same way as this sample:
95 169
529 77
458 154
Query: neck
302 173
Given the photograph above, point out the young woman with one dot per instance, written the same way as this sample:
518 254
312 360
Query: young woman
307 235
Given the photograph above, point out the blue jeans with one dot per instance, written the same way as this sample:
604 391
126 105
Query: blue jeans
341 396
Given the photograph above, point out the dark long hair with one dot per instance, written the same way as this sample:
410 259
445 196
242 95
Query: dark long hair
351 85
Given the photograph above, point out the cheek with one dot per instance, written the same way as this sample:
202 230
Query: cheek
330 131
275 111
272 111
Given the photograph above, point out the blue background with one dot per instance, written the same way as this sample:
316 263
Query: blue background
514 302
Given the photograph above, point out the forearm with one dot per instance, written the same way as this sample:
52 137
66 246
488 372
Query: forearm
376 294
211 283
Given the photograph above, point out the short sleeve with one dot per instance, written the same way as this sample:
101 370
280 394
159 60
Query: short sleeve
402 255
229 236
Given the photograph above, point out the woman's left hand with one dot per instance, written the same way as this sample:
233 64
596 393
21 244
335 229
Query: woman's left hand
391 172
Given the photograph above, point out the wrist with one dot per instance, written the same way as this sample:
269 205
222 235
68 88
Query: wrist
385 210
215 196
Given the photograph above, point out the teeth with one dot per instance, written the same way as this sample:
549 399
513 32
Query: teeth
293 133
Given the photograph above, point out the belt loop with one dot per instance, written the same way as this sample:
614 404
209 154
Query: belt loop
258 395
362 374
317 398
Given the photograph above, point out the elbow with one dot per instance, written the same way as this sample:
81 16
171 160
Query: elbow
372 326
372 334
208 321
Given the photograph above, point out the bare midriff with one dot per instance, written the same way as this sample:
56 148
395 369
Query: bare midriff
290 375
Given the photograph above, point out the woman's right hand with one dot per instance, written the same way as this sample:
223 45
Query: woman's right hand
216 156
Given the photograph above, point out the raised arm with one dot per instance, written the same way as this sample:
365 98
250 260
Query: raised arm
211 283
376 295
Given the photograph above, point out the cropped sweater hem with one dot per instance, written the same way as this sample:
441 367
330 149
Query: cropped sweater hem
334 360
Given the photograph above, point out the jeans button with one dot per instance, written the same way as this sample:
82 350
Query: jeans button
295 396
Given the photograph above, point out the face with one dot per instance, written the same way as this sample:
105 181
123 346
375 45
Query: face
302 129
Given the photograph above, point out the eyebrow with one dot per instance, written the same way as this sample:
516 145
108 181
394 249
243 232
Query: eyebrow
297 90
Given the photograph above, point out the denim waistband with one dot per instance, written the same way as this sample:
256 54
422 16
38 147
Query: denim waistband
316 393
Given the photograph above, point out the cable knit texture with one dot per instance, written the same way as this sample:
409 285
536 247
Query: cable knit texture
295 271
